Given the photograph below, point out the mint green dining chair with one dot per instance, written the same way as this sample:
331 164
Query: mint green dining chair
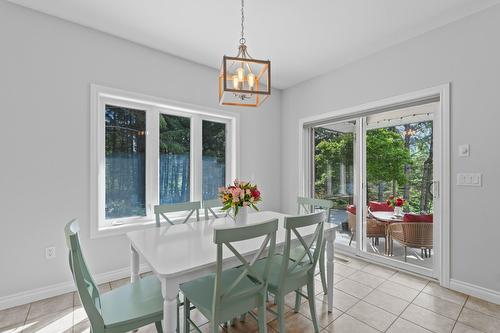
209 205
162 210
229 293
289 275
308 205
120 310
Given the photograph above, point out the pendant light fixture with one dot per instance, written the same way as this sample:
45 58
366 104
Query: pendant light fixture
244 81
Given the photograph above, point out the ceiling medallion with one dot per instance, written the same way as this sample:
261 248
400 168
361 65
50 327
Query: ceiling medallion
244 81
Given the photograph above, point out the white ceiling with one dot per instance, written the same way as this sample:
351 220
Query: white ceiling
303 39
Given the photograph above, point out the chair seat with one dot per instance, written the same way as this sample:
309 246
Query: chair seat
200 292
297 252
133 302
274 269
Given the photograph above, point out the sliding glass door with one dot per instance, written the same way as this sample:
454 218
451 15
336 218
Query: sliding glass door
334 175
398 173
378 170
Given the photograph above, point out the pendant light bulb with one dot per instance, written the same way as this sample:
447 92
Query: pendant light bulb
236 82
241 73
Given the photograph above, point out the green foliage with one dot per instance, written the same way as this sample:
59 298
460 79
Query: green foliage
396 164
332 150
174 134
214 140
386 156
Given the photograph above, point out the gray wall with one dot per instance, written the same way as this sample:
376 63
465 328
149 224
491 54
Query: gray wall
465 53
46 67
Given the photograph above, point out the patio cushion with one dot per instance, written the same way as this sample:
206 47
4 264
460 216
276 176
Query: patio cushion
376 206
351 209
418 218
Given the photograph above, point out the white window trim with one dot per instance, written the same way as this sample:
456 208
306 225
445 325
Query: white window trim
99 97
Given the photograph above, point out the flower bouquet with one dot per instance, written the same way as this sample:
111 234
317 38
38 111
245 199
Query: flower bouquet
238 197
398 204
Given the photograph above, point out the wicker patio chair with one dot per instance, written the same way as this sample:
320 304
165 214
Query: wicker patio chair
374 229
415 235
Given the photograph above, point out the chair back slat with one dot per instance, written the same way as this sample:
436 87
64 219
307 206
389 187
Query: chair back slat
307 205
86 286
209 205
311 251
224 237
162 210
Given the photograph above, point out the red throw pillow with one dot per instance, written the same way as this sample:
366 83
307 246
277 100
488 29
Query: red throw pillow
418 218
376 206
351 209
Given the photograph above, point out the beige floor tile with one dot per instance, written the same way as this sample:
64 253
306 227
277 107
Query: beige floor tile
461 328
379 271
372 315
60 322
398 290
404 326
13 316
337 278
409 280
355 263
394 305
367 279
318 286
428 319
290 299
436 290
51 305
205 329
249 325
269 315
488 308
12 329
119 283
324 317
341 300
353 288
343 270
295 323
479 321
438 305
348 324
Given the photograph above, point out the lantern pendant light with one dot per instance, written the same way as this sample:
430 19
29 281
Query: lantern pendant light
244 81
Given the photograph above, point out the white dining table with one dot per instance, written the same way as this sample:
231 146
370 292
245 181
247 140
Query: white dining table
183 252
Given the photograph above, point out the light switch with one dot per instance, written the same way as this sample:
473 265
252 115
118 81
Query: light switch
464 150
470 179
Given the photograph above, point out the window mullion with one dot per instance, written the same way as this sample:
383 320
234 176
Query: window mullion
196 158
152 159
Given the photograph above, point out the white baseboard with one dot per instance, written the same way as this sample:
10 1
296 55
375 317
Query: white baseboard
476 291
37 294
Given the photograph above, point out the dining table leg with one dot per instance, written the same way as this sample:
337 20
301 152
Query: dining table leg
134 264
330 239
169 292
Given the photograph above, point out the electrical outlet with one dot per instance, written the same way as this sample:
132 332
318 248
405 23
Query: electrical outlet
50 252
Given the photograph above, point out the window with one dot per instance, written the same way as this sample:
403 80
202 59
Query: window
146 151
174 158
214 158
125 162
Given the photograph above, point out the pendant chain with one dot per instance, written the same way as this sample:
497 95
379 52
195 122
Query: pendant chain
242 39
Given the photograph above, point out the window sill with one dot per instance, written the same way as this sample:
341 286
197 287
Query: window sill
143 223
121 229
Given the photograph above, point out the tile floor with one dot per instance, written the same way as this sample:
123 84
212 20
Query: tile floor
367 298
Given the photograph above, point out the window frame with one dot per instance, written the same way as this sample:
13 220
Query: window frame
153 107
